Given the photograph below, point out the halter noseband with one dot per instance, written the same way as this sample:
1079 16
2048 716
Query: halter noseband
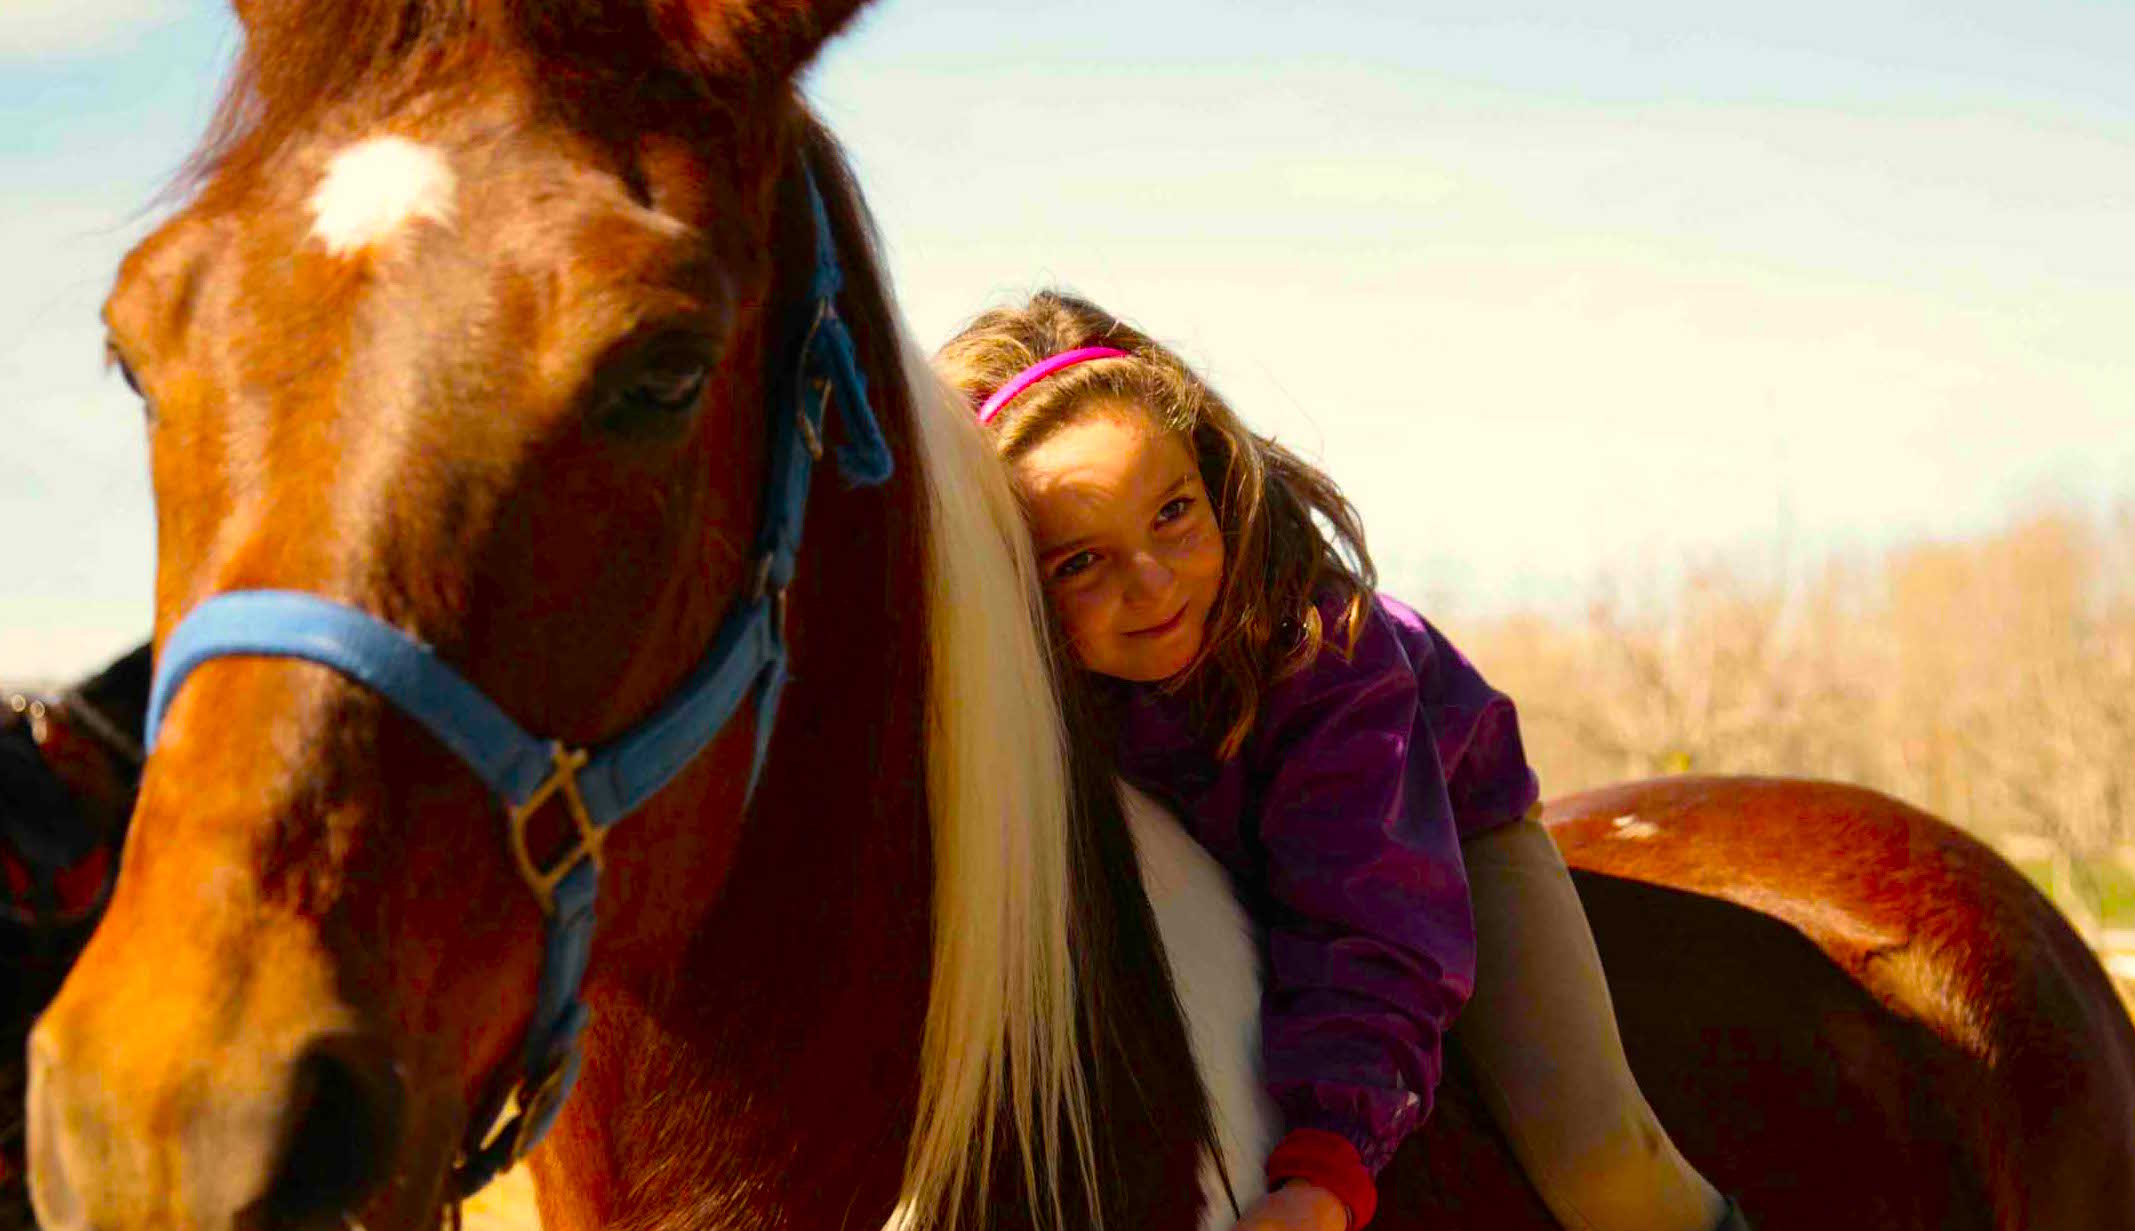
597 787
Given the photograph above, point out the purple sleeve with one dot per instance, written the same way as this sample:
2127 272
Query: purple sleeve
1477 729
1371 945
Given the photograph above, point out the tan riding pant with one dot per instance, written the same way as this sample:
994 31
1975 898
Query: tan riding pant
1541 1034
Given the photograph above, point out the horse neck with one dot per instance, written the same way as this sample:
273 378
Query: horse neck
788 1028
788 1025
771 1076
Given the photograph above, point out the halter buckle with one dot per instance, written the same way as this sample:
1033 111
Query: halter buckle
562 780
762 590
811 439
811 436
538 1108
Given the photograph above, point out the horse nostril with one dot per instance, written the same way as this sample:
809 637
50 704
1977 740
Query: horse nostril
344 1121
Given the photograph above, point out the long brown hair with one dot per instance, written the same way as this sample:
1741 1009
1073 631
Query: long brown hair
1291 540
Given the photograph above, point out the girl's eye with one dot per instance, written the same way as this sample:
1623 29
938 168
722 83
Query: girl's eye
1074 565
1174 509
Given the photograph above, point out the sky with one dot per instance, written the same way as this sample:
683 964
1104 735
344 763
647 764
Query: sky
1557 292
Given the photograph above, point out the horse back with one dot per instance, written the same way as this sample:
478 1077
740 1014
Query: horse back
1848 1012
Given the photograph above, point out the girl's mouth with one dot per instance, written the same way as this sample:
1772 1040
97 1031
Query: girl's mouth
1157 630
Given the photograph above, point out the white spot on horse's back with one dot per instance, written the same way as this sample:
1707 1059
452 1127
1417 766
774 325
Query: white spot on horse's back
377 186
1210 944
1629 826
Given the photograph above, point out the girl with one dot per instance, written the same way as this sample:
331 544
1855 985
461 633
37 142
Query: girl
1360 781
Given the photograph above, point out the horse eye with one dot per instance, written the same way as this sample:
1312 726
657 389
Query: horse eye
148 408
662 390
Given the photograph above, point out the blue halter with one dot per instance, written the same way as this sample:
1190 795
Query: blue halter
601 786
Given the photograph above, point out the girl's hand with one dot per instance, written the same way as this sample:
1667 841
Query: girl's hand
1296 1206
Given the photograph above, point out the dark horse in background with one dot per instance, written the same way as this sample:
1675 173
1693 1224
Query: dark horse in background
69 766
469 324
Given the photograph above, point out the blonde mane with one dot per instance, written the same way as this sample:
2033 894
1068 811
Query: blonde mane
1002 1014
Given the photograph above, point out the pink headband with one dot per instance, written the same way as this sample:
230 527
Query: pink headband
1039 371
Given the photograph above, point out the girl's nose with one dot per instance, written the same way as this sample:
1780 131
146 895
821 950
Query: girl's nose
1148 576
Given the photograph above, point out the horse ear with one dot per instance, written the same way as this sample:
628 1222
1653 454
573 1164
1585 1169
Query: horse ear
251 13
261 19
769 41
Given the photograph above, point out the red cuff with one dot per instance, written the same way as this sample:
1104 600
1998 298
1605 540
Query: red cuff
1330 1161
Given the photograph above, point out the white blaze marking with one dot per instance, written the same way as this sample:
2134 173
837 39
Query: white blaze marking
374 188
1629 826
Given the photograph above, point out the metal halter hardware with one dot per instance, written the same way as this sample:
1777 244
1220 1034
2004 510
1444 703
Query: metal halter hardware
563 782
597 787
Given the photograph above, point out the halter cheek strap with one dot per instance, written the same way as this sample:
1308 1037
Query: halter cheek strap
596 787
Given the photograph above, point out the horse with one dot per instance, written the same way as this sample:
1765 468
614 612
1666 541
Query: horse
485 337
1846 1011
68 765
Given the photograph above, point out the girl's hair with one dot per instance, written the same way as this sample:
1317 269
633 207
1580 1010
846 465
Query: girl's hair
1291 541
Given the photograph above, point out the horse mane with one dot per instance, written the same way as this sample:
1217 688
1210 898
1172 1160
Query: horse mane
1048 966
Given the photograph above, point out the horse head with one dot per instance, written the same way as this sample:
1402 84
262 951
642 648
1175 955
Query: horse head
464 327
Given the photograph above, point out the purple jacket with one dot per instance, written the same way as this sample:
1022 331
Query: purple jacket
1340 823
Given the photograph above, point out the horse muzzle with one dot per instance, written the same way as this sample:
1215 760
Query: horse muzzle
129 1127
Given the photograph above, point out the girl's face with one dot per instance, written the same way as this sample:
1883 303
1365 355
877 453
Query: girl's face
1127 543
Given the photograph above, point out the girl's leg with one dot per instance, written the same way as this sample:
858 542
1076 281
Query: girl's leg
1542 1035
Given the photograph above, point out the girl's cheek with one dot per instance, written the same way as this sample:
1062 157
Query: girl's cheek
1081 613
1200 550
